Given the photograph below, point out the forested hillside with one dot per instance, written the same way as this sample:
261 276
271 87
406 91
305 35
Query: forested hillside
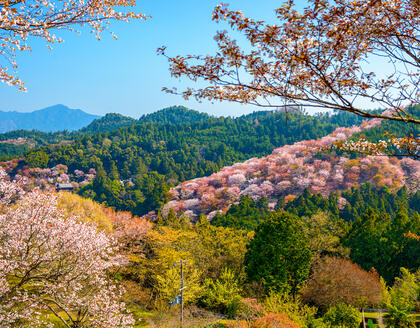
15 143
136 165
109 122
289 170
133 167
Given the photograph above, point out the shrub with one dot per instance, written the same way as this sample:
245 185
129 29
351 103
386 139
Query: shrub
399 318
223 294
343 315
293 307
254 315
335 280
406 290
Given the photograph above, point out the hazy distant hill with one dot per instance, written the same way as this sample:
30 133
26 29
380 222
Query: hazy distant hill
50 119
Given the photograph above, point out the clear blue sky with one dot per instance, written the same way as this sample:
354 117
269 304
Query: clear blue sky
126 76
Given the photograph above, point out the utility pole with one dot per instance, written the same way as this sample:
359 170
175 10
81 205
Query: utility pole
181 319
182 293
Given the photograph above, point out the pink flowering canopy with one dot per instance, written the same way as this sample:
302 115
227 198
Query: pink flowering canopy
55 265
291 169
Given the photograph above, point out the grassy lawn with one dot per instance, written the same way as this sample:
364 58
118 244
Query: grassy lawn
372 315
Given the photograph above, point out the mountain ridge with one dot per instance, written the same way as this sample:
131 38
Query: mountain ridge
49 119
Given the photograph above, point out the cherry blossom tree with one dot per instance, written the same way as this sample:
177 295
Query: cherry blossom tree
54 265
21 21
315 58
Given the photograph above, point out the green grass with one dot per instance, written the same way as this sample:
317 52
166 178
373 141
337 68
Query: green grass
371 315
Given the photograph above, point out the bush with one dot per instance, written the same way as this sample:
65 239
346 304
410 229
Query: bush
303 314
398 318
405 293
343 315
274 320
317 323
223 295
254 315
336 280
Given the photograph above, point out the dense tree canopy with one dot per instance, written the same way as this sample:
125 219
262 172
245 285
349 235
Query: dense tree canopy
378 240
129 161
279 256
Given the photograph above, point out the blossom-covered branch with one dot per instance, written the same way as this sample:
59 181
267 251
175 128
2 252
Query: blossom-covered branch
22 20
314 58
407 147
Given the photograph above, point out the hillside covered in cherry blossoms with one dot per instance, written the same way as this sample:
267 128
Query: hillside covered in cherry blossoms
291 169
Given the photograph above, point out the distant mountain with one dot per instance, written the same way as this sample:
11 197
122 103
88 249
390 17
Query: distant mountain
174 115
50 119
109 122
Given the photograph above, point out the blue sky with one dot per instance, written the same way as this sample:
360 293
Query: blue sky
126 76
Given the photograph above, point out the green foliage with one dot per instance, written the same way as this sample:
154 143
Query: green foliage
308 204
279 255
405 293
174 115
146 193
361 198
85 210
343 316
399 318
207 250
109 122
324 232
246 215
38 159
9 151
379 241
297 311
168 284
223 294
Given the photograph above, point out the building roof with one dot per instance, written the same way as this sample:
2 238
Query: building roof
65 186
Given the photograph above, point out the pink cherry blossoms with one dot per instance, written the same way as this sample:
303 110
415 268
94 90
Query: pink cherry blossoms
288 171
54 265
45 178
